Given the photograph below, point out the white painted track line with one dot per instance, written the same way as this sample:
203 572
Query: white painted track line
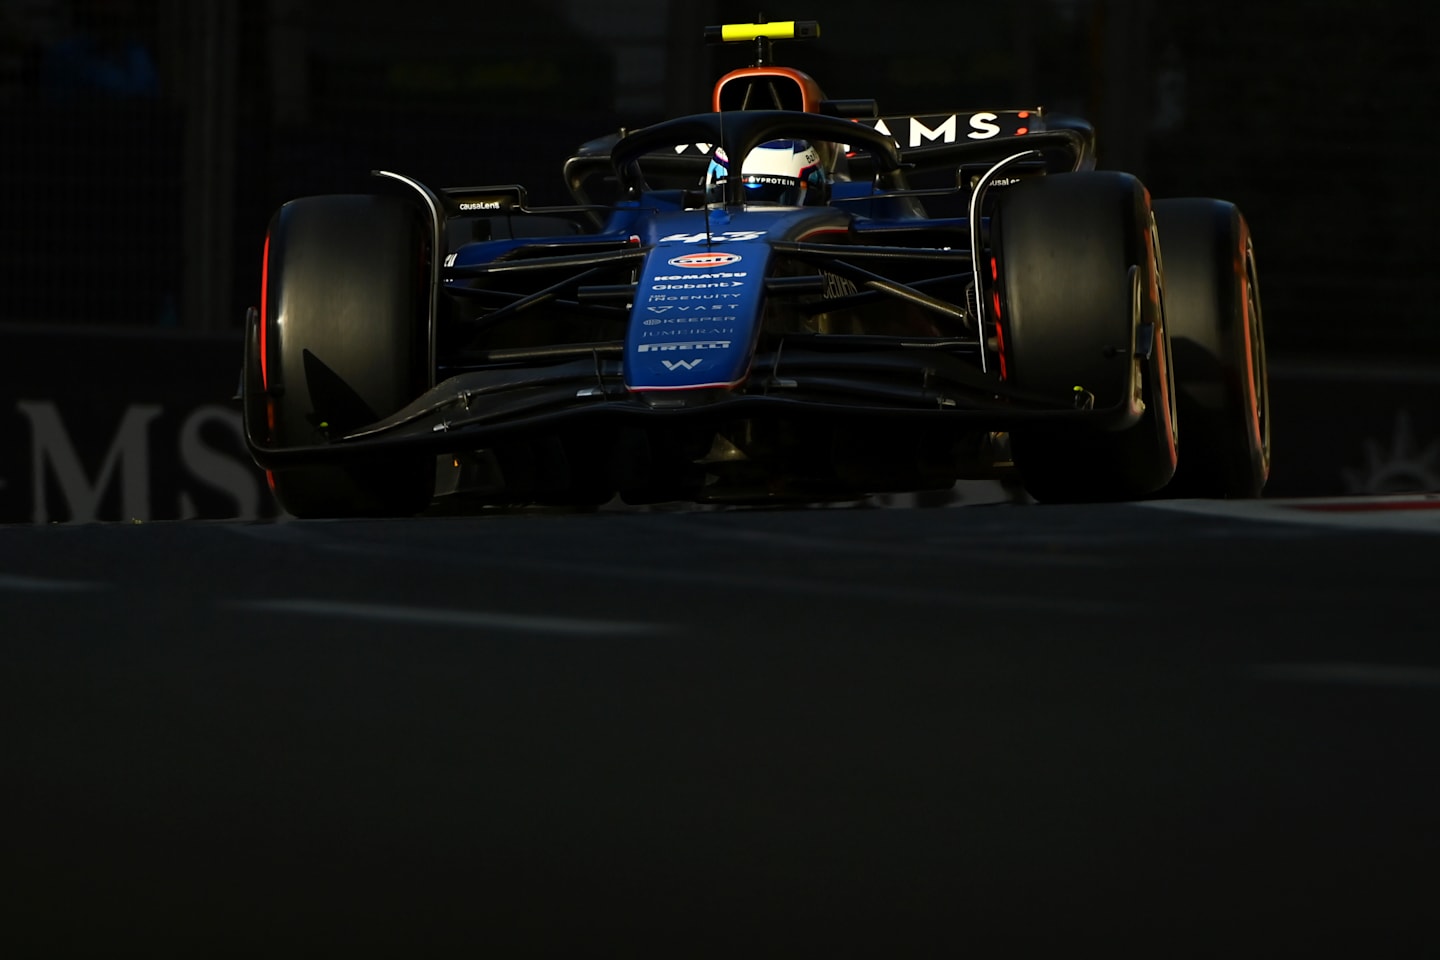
1414 513
1349 674
18 584
442 617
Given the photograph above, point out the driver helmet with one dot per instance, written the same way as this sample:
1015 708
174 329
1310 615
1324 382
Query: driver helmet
783 173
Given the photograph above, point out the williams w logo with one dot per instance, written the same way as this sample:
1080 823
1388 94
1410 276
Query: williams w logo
673 365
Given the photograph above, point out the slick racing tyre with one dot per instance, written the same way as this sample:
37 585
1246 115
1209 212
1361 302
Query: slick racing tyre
347 298
1212 304
1083 318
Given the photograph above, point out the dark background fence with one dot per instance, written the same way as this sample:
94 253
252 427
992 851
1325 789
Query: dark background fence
146 142
139 198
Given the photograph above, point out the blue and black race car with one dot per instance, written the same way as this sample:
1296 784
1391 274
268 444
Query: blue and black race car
788 298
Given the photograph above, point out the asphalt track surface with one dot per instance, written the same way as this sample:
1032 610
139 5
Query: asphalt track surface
1002 730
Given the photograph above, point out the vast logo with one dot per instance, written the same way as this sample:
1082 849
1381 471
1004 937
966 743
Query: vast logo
704 261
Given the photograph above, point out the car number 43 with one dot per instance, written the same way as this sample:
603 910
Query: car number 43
729 236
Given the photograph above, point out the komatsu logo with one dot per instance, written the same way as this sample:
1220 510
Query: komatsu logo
704 261
723 275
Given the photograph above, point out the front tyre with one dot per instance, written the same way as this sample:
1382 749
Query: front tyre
1083 316
347 306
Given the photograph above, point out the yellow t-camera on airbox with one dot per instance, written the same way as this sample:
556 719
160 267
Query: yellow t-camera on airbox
780 30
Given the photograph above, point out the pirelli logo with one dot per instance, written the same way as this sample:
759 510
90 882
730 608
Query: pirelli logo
691 345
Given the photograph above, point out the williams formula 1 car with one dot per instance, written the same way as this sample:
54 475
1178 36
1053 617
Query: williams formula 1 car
788 298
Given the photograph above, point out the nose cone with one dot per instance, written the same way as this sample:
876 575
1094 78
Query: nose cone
695 318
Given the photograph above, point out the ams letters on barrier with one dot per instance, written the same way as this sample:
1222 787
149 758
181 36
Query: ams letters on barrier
103 426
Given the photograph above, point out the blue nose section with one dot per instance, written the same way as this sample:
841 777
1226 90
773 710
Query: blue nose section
696 314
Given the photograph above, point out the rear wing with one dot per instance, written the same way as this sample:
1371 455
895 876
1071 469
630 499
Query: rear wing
955 149
983 137
931 140
913 132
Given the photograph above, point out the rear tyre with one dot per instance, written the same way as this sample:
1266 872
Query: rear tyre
1080 281
347 300
1212 302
